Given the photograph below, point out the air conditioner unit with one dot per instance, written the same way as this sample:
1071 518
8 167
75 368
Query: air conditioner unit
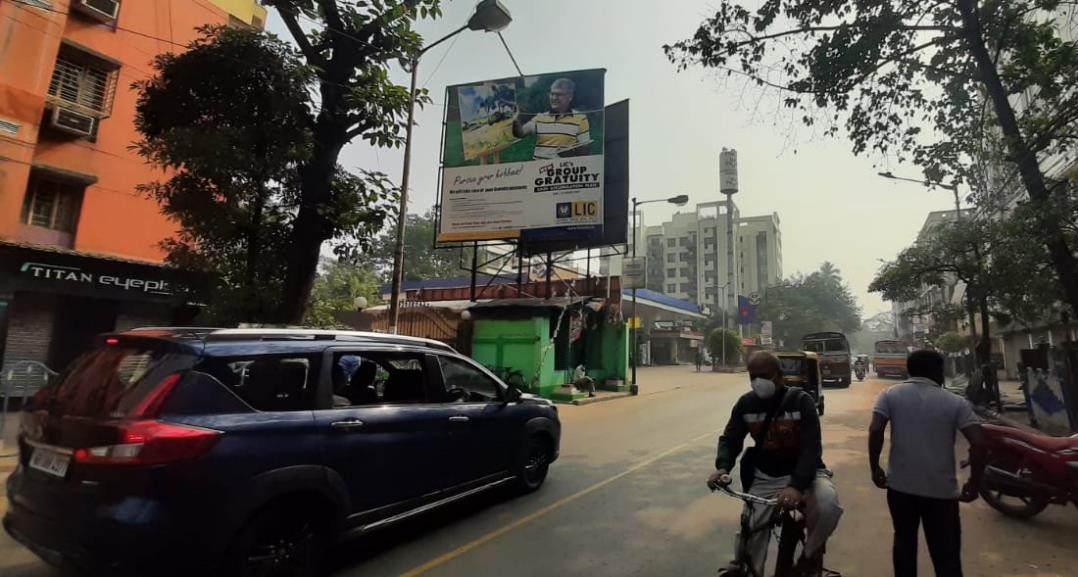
72 122
103 10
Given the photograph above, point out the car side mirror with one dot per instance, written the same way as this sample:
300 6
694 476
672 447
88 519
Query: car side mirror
513 394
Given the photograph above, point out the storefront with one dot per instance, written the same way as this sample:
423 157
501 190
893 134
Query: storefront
54 301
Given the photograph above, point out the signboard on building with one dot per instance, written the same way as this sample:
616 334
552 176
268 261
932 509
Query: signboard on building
523 154
766 332
634 272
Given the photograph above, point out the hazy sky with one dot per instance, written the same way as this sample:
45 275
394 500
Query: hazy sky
832 205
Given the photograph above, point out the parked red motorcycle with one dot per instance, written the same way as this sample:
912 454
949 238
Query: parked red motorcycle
1027 471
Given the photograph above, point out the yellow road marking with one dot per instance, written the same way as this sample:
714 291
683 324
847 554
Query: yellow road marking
445 558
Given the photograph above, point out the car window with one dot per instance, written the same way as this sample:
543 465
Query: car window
267 383
110 380
374 378
465 383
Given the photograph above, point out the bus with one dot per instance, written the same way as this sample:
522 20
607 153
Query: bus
889 359
834 352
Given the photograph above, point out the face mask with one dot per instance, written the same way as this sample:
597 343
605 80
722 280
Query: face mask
764 388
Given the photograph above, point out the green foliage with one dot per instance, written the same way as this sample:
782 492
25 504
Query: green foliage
818 302
230 119
733 349
347 46
335 291
952 342
424 262
935 83
999 261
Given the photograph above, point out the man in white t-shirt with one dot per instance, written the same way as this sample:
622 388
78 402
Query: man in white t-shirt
922 487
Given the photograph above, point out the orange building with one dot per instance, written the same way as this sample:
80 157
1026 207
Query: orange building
79 247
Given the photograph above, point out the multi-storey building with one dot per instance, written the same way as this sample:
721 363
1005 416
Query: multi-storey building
80 247
688 257
760 243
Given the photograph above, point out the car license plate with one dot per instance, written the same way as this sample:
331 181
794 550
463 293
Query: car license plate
50 462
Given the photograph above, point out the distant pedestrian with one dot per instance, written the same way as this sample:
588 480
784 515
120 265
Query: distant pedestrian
699 360
921 483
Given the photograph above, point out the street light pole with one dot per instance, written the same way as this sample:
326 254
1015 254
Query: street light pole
679 200
490 16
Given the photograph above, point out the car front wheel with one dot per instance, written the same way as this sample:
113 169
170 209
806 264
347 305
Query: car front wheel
537 455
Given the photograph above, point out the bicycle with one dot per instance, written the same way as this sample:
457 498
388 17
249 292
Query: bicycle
791 526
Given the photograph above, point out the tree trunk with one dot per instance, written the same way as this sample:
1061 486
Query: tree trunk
311 227
1020 152
309 231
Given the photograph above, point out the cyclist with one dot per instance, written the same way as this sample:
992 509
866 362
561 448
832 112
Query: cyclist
785 464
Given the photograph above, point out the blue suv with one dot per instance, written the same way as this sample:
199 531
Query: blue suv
247 452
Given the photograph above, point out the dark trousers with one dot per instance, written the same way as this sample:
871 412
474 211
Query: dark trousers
943 533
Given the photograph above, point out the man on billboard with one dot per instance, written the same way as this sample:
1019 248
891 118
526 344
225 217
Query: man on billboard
561 132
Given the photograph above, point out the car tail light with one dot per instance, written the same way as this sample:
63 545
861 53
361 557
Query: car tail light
151 442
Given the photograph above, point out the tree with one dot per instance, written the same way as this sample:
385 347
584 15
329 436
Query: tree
724 342
347 46
951 342
336 289
973 72
229 119
801 305
424 262
1002 266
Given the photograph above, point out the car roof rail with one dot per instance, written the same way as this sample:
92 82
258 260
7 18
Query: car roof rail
322 334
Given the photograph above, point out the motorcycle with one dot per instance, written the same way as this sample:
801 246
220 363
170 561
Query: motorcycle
1025 471
859 371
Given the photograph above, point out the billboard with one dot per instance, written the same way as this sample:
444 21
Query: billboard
524 154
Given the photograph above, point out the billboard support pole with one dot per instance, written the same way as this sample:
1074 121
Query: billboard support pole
475 268
549 270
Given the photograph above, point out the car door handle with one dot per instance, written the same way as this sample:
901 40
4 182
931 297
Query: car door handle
458 419
348 425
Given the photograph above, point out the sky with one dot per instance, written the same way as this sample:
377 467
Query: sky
832 205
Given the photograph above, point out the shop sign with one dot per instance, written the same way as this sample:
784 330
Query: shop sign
74 274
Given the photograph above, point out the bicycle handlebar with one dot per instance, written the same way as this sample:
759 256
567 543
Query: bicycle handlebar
724 486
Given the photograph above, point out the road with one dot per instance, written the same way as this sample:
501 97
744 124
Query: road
627 498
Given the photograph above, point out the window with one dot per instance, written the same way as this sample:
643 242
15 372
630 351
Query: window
81 85
671 288
671 272
265 382
52 204
684 287
683 241
684 257
467 384
366 378
671 242
685 272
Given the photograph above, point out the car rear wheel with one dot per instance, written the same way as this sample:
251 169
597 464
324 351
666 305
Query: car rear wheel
282 541
537 455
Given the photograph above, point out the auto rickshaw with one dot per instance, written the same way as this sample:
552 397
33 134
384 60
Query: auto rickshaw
802 369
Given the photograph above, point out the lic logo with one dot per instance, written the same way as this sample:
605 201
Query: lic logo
564 209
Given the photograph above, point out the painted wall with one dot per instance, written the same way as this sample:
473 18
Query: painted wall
114 219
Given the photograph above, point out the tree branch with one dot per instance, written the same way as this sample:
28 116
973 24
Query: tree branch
753 39
313 55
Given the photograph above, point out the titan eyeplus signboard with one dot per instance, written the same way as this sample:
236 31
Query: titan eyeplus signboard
523 154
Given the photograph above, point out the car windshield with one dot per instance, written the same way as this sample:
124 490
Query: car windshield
791 366
890 348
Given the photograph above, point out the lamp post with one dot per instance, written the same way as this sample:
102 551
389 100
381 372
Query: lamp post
489 16
679 200
930 183
722 288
